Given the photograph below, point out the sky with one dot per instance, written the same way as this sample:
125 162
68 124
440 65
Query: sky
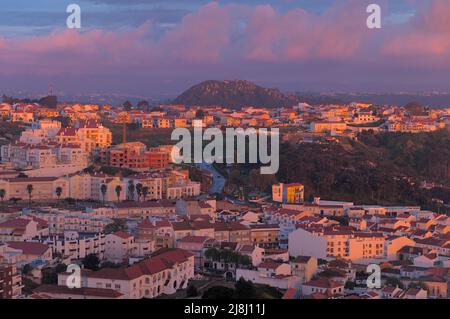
157 49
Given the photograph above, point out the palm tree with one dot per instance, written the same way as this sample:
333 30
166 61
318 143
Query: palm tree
212 254
30 191
131 190
118 191
139 190
103 189
58 191
145 192
2 194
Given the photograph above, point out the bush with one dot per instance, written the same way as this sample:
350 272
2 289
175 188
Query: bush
191 291
218 292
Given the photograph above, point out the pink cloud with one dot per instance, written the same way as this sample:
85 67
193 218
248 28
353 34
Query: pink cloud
201 36
428 35
233 34
298 35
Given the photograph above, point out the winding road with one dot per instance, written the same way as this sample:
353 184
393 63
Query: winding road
218 179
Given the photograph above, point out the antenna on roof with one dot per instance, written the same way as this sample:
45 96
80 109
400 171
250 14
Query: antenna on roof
50 89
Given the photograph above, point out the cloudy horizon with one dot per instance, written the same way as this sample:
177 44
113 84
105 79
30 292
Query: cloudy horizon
160 48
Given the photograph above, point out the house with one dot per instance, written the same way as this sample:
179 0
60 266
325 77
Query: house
322 286
250 217
415 293
119 246
255 252
337 242
288 193
437 286
426 260
10 281
264 235
196 245
232 232
391 292
270 273
63 292
74 245
29 252
270 268
276 254
44 188
164 272
304 267
393 244
19 229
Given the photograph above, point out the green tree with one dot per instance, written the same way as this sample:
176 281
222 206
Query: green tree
29 191
191 291
27 269
143 105
392 281
118 191
350 285
50 275
91 262
127 105
139 191
218 292
244 289
131 189
418 285
2 194
199 114
145 191
117 225
103 189
212 254
58 192
245 260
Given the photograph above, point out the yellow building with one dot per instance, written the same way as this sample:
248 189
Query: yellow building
87 133
265 235
328 126
288 193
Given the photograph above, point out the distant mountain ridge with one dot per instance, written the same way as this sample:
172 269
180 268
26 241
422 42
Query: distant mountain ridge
234 94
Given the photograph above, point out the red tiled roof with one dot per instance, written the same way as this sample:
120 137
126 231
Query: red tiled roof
194 239
159 261
290 293
30 179
15 223
84 291
146 224
122 234
29 248
269 264
323 283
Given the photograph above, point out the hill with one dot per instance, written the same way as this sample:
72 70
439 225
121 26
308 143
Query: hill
234 94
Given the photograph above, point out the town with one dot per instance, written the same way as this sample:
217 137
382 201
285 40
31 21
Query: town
96 186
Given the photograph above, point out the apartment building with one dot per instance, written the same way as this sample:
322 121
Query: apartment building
75 245
288 193
304 267
336 243
10 281
164 272
90 134
120 246
43 188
